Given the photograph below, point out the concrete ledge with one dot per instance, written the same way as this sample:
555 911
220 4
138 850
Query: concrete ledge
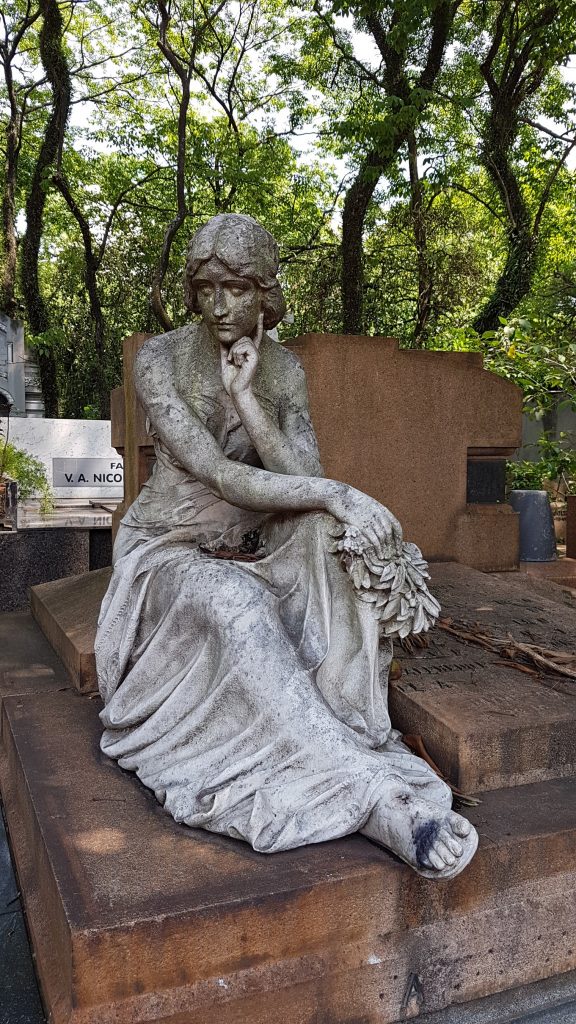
562 571
28 664
134 918
486 723
67 613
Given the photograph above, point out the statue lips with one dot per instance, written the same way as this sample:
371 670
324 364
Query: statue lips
228 325
228 333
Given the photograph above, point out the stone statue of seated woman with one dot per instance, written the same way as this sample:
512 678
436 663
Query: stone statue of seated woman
238 644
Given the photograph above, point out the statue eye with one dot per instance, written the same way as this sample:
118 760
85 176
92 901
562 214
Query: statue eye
205 290
237 290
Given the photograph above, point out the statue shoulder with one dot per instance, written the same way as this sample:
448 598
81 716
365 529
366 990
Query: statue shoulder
157 355
282 360
281 380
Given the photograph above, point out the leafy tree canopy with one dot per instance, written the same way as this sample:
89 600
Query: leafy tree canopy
415 159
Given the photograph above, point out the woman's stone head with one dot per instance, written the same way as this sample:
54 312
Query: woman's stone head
247 250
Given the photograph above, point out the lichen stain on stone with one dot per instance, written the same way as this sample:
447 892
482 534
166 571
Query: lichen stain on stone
424 838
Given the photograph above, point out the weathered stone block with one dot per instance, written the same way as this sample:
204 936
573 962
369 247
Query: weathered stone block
135 918
67 613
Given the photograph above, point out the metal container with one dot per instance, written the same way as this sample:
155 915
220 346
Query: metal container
537 537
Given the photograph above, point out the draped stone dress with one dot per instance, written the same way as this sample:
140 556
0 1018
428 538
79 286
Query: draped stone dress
250 696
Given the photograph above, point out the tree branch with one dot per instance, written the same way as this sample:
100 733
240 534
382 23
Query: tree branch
547 131
115 207
477 199
546 193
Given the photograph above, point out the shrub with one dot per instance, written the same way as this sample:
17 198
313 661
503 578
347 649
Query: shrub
30 474
556 466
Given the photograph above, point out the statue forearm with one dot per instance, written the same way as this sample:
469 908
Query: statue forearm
266 491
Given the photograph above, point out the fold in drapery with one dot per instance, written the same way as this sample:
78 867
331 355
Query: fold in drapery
247 694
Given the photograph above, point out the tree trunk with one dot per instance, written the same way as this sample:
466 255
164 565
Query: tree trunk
425 277
356 204
184 74
514 68
91 264
515 280
416 95
57 73
9 49
8 286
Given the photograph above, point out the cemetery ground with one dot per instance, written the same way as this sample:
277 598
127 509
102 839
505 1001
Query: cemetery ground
338 927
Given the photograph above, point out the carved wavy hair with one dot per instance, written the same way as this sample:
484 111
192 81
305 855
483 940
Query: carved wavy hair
247 249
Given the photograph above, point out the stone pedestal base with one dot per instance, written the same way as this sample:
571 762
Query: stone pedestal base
134 918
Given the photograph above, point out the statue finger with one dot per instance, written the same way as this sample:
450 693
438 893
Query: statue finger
241 345
259 329
397 535
371 536
385 534
379 545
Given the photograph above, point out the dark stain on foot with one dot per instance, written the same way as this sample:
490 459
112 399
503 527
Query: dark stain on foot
424 838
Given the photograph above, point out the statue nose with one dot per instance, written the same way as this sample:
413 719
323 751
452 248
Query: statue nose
220 304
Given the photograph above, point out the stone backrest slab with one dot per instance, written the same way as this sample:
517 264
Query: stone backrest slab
400 425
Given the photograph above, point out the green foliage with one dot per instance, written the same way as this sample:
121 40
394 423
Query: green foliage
530 354
285 106
554 470
524 476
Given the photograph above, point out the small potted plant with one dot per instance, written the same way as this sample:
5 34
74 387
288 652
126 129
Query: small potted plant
21 477
553 473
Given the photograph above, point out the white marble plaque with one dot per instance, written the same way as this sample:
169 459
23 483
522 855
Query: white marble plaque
65 442
87 472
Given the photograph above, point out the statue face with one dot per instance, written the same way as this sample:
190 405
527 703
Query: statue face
229 304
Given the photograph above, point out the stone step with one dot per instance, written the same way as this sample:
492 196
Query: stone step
551 1001
486 723
28 663
561 571
489 727
134 918
67 613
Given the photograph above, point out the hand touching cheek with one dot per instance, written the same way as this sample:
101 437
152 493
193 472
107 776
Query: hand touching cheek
239 368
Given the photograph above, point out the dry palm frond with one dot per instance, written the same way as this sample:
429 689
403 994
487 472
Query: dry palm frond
416 745
561 662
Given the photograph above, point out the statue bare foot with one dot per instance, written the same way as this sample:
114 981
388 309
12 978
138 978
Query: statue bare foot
435 842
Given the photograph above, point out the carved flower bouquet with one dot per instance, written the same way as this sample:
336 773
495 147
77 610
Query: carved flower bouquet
395 586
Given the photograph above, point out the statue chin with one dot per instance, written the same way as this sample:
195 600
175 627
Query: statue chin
245 639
